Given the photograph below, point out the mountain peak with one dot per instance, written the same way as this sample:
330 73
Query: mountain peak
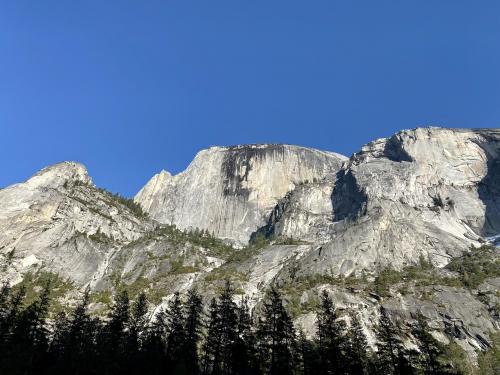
269 147
56 175
230 191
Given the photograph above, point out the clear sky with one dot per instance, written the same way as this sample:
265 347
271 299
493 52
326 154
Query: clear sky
132 87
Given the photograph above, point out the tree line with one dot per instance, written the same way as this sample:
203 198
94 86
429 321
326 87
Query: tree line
226 338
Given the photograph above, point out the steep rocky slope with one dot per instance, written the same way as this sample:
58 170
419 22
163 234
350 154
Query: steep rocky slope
344 225
59 220
230 191
430 192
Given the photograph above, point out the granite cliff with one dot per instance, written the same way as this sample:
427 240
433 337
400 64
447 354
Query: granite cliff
428 192
230 191
386 226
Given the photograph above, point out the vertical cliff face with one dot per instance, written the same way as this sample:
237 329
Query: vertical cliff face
230 191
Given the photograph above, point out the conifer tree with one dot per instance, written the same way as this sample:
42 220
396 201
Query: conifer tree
391 353
4 299
78 349
137 320
228 330
211 346
154 347
6 306
10 314
126 344
330 332
28 344
193 309
430 348
230 343
276 337
112 340
58 343
309 355
175 332
136 328
358 347
244 356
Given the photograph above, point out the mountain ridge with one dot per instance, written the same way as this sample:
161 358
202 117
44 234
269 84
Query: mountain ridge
316 222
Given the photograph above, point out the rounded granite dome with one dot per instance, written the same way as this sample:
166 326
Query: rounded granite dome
58 174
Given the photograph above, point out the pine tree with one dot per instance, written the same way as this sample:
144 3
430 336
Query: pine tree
331 340
28 343
193 309
112 338
136 327
10 312
211 346
358 347
228 330
6 319
276 337
221 341
431 349
244 356
58 343
391 352
175 333
154 347
4 299
78 347
309 355
73 345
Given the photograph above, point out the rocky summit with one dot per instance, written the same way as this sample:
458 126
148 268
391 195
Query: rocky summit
230 191
409 222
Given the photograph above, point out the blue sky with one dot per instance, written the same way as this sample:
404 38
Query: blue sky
132 87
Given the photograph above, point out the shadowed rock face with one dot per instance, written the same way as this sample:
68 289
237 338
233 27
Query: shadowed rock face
348 198
489 186
230 191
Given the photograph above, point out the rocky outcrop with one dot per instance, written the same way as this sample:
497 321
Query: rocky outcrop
425 192
59 221
230 191
428 192
303 214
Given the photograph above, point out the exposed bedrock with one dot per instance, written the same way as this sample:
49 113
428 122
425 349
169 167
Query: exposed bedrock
231 191
428 191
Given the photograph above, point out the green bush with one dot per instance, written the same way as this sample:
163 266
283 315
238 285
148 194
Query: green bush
226 273
101 237
178 267
476 266
489 361
258 241
134 207
289 241
385 279
457 359
141 284
101 297
35 281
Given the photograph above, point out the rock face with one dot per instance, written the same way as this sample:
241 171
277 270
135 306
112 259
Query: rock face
431 192
230 191
59 220
427 192
305 214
